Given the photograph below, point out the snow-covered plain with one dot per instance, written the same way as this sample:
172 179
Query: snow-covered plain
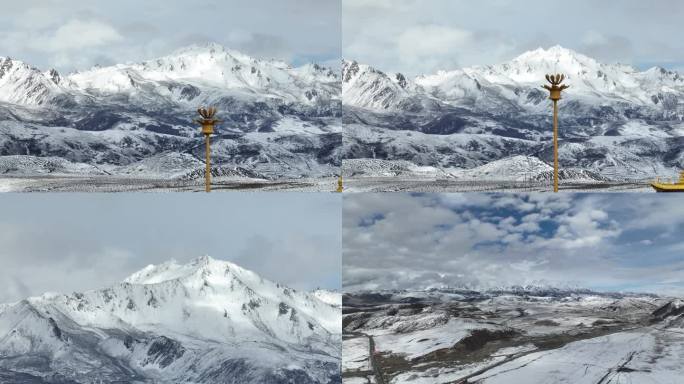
71 183
517 173
208 321
513 335
641 356
355 351
418 343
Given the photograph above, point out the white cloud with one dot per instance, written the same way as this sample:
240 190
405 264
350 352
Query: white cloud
484 240
381 4
425 41
594 38
65 243
79 34
416 37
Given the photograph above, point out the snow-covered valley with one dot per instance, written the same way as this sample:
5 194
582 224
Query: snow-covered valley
518 334
617 124
207 321
134 120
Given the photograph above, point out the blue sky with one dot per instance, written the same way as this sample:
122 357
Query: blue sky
607 242
76 242
77 34
423 36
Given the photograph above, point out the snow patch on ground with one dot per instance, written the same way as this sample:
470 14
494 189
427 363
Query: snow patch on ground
355 352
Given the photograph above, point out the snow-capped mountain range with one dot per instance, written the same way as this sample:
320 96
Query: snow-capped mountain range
546 290
276 119
211 66
615 120
207 321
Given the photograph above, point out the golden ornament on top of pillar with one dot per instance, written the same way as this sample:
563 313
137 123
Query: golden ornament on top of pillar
207 122
555 94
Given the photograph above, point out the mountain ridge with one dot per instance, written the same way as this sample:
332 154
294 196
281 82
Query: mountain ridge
206 321
527 68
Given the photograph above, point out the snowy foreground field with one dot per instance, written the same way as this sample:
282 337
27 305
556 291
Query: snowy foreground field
511 174
131 184
393 184
511 336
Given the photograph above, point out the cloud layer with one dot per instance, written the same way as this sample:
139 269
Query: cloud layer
81 33
76 242
604 242
422 36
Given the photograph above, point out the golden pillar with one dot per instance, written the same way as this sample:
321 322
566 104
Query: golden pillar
207 122
555 94
340 186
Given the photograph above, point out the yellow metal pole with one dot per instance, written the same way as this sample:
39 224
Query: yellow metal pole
555 90
340 186
207 173
555 145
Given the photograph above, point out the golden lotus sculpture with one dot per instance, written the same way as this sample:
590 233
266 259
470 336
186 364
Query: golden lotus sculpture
207 122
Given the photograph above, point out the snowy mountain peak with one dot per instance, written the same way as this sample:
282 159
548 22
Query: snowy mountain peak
176 296
208 68
531 66
555 59
333 298
53 75
212 52
172 270
21 83
556 52
211 49
364 85
350 69
194 49
209 315
207 272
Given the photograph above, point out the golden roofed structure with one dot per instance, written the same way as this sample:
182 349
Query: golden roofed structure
677 186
